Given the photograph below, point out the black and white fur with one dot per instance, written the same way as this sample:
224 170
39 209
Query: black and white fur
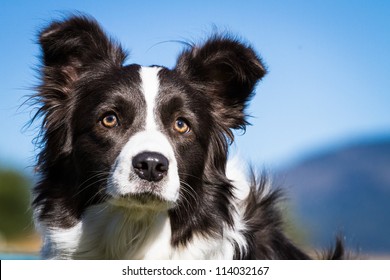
121 180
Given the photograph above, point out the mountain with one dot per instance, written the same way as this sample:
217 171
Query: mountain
344 191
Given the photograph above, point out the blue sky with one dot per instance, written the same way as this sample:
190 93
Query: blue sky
328 61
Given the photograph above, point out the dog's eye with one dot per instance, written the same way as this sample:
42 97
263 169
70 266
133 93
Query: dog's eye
181 126
110 120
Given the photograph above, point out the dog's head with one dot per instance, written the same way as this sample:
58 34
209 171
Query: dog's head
138 136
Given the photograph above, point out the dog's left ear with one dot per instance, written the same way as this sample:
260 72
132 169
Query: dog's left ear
227 71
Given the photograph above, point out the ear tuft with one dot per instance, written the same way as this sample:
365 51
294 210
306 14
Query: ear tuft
78 41
227 71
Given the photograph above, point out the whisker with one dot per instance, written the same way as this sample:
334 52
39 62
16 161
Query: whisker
89 185
190 175
188 189
96 195
97 175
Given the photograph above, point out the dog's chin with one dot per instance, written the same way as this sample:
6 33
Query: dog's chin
142 202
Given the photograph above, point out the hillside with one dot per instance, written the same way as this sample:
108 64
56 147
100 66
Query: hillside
346 190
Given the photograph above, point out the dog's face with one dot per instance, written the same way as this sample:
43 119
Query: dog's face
141 137
145 128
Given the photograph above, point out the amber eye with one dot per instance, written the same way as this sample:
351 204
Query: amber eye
110 120
181 126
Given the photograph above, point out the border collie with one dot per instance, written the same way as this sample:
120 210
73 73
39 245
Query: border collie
134 159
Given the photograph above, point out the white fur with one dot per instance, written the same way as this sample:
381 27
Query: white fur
236 172
60 243
205 248
150 88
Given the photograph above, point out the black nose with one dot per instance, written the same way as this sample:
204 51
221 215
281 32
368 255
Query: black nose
150 166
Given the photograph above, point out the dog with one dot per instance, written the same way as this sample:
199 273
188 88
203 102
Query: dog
134 159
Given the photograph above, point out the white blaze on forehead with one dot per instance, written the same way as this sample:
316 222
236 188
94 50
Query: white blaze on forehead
150 87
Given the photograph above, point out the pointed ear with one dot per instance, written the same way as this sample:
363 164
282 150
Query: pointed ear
72 45
227 71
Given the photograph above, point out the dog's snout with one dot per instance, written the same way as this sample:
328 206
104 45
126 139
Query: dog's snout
150 166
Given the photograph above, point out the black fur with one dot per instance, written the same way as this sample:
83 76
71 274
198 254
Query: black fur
83 74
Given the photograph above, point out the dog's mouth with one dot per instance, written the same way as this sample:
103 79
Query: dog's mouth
142 201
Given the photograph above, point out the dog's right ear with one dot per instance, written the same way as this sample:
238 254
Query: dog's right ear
70 48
